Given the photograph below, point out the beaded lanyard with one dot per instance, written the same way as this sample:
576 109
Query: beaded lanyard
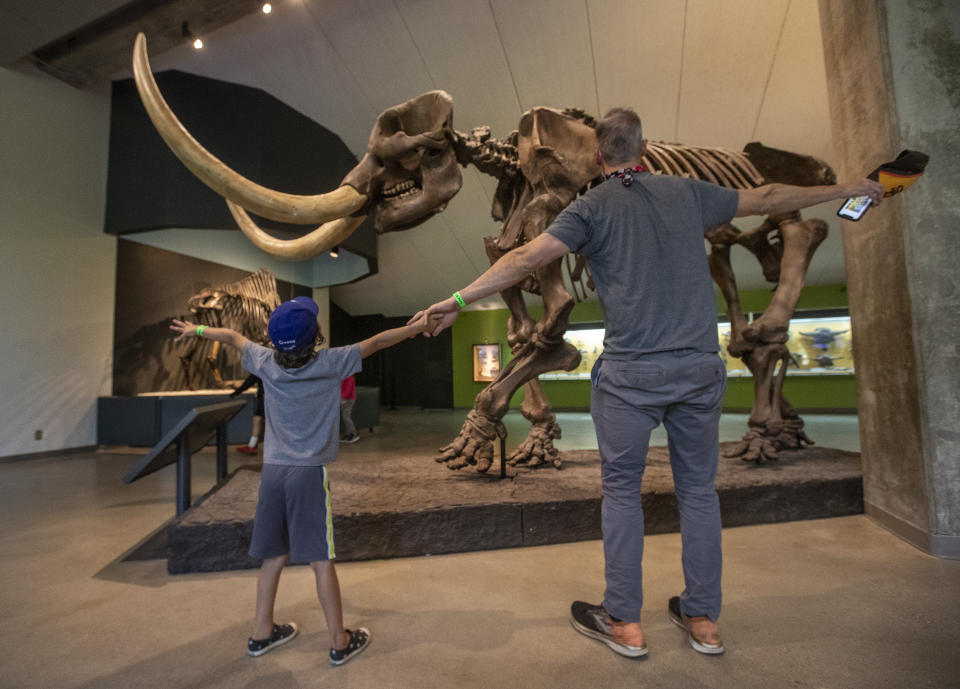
626 174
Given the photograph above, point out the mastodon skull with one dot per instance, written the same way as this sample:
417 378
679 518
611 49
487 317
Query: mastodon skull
408 173
410 170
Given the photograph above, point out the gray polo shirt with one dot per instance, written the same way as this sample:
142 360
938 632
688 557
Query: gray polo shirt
644 247
302 404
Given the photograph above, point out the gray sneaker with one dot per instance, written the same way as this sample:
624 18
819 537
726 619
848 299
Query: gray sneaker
707 637
625 638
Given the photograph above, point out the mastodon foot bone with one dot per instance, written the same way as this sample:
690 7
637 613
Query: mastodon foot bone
755 446
763 442
537 449
791 435
474 445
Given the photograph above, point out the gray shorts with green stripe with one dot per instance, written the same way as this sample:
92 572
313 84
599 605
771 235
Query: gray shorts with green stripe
293 514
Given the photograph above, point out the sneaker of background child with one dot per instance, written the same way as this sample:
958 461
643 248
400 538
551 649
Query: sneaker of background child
352 438
247 450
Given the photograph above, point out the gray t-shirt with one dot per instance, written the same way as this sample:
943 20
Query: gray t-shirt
302 404
644 247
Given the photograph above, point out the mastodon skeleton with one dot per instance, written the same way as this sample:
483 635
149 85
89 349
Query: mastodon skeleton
412 169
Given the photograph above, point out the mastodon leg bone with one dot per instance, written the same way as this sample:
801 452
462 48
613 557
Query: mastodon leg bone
722 273
800 240
768 254
520 326
474 444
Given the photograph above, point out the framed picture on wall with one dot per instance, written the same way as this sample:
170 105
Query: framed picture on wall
486 362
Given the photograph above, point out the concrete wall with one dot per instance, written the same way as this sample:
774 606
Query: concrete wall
924 47
56 265
891 87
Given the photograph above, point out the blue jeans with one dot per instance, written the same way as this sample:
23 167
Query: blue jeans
682 389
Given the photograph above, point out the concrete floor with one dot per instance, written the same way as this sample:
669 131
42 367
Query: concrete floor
832 604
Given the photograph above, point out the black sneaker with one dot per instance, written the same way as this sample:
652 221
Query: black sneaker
282 633
709 641
594 621
359 640
352 438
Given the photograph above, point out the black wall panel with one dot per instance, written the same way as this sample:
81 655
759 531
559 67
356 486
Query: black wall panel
412 373
252 132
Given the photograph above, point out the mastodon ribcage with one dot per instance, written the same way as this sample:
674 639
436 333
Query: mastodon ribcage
731 169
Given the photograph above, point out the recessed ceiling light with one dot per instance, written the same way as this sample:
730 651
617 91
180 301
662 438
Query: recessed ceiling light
267 8
187 33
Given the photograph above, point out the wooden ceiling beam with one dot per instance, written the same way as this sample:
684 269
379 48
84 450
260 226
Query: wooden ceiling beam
98 51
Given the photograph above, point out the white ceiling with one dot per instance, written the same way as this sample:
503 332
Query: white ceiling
698 71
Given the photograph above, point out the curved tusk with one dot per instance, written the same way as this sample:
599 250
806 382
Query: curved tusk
268 203
324 238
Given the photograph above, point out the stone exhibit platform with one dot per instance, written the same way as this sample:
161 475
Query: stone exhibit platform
403 504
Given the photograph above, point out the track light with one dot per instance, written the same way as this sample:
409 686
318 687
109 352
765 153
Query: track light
335 252
267 8
187 33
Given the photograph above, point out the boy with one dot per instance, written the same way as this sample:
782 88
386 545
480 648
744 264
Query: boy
294 521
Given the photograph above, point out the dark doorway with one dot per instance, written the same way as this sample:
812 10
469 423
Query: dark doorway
413 373
437 390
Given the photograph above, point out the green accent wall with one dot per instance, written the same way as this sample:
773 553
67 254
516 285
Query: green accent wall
833 393
829 393
812 297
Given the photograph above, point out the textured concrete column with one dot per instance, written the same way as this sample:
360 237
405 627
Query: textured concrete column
893 76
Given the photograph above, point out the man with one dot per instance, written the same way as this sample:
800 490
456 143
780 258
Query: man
642 236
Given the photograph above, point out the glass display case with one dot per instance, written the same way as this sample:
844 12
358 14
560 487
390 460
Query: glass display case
820 344
588 339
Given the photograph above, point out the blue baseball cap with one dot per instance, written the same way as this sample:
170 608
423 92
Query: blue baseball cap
293 324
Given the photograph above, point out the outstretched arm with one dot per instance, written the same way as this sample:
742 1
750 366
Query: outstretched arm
225 335
248 383
506 272
781 198
388 338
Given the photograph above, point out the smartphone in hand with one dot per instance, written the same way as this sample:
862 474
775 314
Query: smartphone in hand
854 207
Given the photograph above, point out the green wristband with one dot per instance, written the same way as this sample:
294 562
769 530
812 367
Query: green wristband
200 329
456 295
